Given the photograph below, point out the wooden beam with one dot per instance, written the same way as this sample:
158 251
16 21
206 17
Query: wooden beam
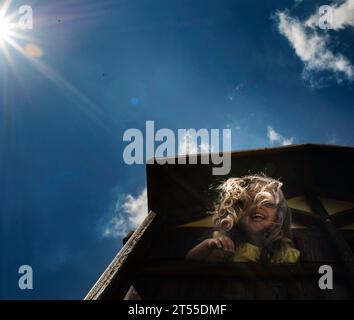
316 206
339 242
343 218
267 151
203 199
117 278
343 195
305 218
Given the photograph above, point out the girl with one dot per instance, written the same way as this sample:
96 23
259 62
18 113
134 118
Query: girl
252 222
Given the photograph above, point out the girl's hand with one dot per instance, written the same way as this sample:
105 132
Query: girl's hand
277 258
276 261
223 243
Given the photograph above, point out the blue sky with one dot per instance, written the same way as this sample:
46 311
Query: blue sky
98 68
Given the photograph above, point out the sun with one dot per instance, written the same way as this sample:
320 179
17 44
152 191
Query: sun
5 28
7 25
13 35
18 39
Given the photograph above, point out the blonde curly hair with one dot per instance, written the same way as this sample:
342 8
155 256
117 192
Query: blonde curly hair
235 198
237 195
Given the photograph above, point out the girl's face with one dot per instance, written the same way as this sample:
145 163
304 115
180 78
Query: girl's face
259 218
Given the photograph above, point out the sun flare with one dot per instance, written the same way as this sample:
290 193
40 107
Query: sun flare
14 34
18 39
5 28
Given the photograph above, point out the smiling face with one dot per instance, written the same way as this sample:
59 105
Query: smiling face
252 201
259 218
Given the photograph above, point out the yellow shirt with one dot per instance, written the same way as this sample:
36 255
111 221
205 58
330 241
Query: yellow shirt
248 252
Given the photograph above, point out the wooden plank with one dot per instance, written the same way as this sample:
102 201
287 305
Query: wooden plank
117 278
239 281
239 289
304 289
242 270
206 288
172 288
339 292
148 287
270 290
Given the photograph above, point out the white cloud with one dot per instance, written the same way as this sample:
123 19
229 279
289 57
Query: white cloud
276 138
312 47
332 138
188 144
127 215
286 142
343 16
272 135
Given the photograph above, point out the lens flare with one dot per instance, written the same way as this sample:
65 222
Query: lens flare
16 37
4 29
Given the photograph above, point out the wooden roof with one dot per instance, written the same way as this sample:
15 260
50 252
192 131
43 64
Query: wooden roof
183 193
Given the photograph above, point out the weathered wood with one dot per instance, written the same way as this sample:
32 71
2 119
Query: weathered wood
117 278
127 237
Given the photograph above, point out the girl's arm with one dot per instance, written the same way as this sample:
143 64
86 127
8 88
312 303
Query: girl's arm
200 251
212 249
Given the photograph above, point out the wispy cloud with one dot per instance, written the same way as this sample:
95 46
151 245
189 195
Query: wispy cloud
332 138
188 144
312 47
235 91
276 138
297 2
128 214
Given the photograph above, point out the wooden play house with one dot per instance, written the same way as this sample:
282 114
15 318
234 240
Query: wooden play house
319 187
